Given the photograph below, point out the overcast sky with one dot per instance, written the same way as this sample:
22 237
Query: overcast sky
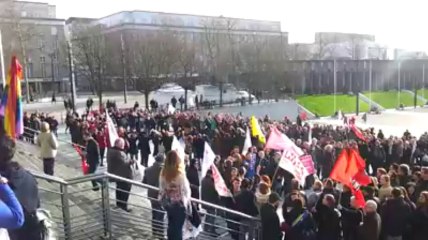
396 23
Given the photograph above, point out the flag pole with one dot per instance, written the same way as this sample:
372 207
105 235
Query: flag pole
334 84
3 76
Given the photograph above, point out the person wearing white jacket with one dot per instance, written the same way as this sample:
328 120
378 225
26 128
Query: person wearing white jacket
48 148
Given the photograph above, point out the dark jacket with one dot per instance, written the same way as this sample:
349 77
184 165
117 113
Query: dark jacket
370 230
24 186
208 191
118 163
300 229
271 229
143 144
351 220
328 221
419 224
193 177
245 202
92 152
151 177
395 215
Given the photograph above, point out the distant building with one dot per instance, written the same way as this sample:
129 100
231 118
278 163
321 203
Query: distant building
232 35
332 45
34 26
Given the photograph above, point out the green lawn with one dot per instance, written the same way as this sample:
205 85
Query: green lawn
423 93
390 99
323 105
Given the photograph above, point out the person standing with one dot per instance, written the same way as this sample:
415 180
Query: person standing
395 216
144 146
245 203
419 219
370 229
151 177
174 192
119 164
327 218
102 143
270 221
174 101
209 194
92 157
48 148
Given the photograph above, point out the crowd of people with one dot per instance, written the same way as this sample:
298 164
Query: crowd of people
396 200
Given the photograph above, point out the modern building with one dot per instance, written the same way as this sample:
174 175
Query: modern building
31 31
232 43
334 45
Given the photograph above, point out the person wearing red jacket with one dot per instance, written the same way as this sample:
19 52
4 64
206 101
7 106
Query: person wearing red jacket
101 138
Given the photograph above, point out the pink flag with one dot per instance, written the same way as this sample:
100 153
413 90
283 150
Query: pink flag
219 183
279 141
308 163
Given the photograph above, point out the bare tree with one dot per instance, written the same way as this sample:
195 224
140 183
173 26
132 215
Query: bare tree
92 56
16 29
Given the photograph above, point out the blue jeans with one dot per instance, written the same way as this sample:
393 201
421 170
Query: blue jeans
176 216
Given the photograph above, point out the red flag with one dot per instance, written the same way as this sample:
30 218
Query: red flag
84 164
345 168
349 170
359 197
358 133
303 116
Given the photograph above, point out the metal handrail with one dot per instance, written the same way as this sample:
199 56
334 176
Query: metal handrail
98 176
48 177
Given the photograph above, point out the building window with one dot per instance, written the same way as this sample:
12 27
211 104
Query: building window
41 45
30 69
43 66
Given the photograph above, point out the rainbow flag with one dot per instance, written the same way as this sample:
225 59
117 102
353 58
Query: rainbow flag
11 103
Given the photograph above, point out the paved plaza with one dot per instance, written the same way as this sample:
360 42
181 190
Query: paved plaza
392 122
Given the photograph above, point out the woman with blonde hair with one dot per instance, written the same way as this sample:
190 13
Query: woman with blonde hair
48 148
174 193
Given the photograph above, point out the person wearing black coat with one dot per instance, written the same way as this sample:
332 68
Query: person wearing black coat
151 177
143 145
371 225
327 218
352 218
300 221
395 215
271 229
133 147
24 185
246 203
209 194
92 157
419 218
193 177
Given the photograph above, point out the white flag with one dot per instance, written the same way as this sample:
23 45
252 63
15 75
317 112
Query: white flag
208 160
292 145
290 162
247 143
170 109
219 183
151 157
112 132
176 146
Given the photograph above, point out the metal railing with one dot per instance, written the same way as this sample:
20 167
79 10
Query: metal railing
79 212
